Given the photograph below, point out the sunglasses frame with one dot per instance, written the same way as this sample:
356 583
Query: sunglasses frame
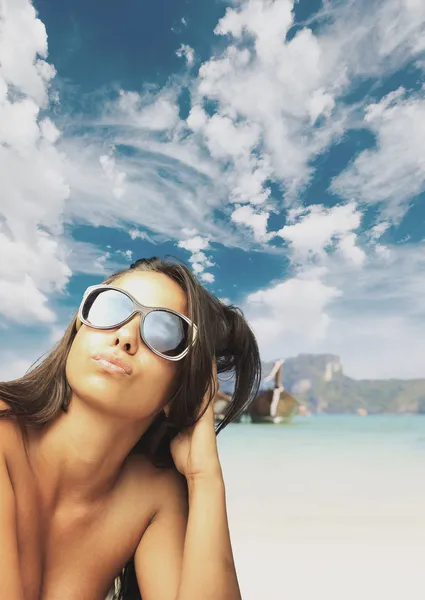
137 309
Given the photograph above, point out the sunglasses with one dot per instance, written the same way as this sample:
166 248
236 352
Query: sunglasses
166 332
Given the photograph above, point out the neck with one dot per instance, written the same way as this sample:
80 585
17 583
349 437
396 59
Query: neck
79 457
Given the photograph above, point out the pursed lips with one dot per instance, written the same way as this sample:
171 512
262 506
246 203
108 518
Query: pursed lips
114 361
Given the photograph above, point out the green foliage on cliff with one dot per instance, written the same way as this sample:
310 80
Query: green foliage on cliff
319 382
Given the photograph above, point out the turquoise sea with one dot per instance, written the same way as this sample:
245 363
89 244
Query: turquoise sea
328 507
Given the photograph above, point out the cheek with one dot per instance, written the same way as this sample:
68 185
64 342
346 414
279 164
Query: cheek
77 362
157 376
81 372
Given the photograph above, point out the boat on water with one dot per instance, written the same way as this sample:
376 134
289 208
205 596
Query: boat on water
262 409
273 404
221 405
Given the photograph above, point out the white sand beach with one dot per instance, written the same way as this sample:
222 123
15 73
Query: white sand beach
328 508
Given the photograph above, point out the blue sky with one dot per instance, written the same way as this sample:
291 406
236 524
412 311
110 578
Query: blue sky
278 148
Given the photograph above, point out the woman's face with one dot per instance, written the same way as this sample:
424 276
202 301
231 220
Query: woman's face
147 389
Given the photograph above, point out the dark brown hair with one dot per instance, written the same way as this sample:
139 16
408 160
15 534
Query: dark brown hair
43 392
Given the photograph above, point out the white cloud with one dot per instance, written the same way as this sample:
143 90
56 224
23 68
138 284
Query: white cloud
378 230
317 229
226 139
374 321
136 234
234 143
49 131
34 263
170 180
199 260
291 316
187 52
23 48
195 244
393 172
127 254
207 277
287 92
278 89
117 178
378 326
350 250
166 189
153 111
320 103
87 259
22 302
257 221
382 251
13 366
277 107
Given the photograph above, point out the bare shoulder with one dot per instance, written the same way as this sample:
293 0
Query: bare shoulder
3 405
10 434
168 487
172 495
161 545
173 484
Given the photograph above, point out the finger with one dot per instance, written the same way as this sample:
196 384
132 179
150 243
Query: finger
214 377
213 387
205 402
208 399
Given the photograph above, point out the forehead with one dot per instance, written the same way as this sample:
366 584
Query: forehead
154 289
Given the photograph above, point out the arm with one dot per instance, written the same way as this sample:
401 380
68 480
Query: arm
158 558
10 579
180 558
208 569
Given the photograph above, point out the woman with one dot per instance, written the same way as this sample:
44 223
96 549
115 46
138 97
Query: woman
109 470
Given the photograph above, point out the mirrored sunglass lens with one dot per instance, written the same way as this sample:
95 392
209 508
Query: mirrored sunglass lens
166 332
105 308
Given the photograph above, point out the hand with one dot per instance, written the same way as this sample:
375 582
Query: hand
194 450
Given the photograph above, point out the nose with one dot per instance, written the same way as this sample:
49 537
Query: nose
128 335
